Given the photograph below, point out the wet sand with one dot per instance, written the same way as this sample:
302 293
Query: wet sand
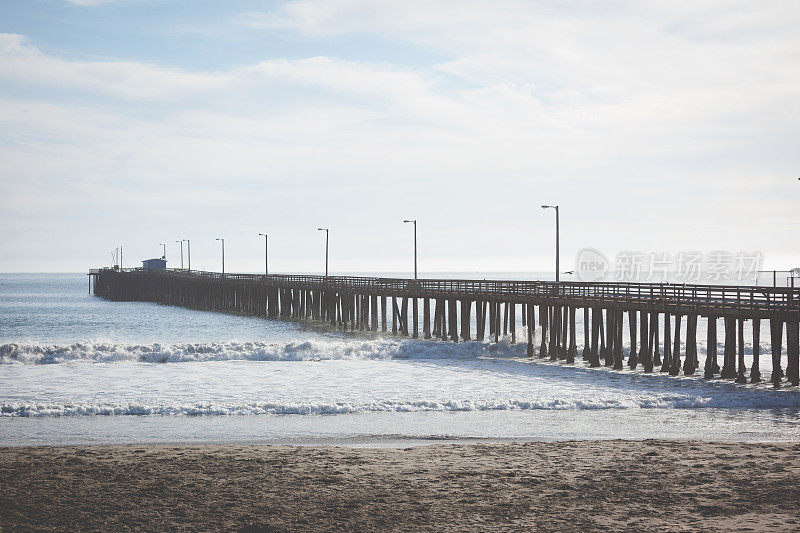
566 486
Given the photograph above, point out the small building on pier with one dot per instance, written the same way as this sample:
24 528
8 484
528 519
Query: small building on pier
154 264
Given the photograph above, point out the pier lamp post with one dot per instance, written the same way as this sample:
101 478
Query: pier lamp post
326 230
556 208
415 244
223 255
181 243
189 254
164 254
266 253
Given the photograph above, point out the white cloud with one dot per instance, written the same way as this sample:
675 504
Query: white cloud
654 77
629 110
95 3
23 62
90 2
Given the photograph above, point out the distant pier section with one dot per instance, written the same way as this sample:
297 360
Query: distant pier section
652 314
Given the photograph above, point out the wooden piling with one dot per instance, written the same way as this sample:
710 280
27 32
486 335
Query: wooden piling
585 352
675 365
594 350
564 342
443 319
667 362
384 301
543 315
512 317
374 312
453 320
711 365
555 332
572 351
465 304
497 322
755 371
692 363
529 328
633 356
395 316
437 318
611 337
415 318
645 356
618 329
655 344
729 350
404 316
480 320
491 318
426 317
793 350
603 346
776 340
740 377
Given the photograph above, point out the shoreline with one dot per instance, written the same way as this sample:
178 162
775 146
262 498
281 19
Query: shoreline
376 443
568 485
409 428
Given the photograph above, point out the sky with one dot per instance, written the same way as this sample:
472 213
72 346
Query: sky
656 126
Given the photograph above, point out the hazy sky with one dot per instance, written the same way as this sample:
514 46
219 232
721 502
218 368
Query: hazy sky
656 126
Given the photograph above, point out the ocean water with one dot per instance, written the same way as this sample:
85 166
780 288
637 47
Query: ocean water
76 369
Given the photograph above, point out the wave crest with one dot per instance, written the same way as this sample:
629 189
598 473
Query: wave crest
655 401
310 350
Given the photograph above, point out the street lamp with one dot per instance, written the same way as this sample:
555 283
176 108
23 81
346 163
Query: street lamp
181 243
189 254
223 255
164 255
556 208
326 249
415 245
266 253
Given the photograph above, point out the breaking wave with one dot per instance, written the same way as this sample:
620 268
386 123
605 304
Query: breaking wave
644 402
311 350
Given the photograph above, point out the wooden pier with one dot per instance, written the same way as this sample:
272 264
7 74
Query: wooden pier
654 314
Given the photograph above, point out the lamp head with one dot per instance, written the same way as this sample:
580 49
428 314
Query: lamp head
322 229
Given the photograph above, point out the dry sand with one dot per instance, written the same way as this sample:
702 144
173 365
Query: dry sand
567 486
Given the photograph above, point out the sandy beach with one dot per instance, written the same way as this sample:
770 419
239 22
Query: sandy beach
577 485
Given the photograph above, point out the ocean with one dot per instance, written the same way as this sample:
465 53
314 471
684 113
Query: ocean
76 369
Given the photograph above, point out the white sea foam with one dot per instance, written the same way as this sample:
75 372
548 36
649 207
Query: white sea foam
310 350
749 400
